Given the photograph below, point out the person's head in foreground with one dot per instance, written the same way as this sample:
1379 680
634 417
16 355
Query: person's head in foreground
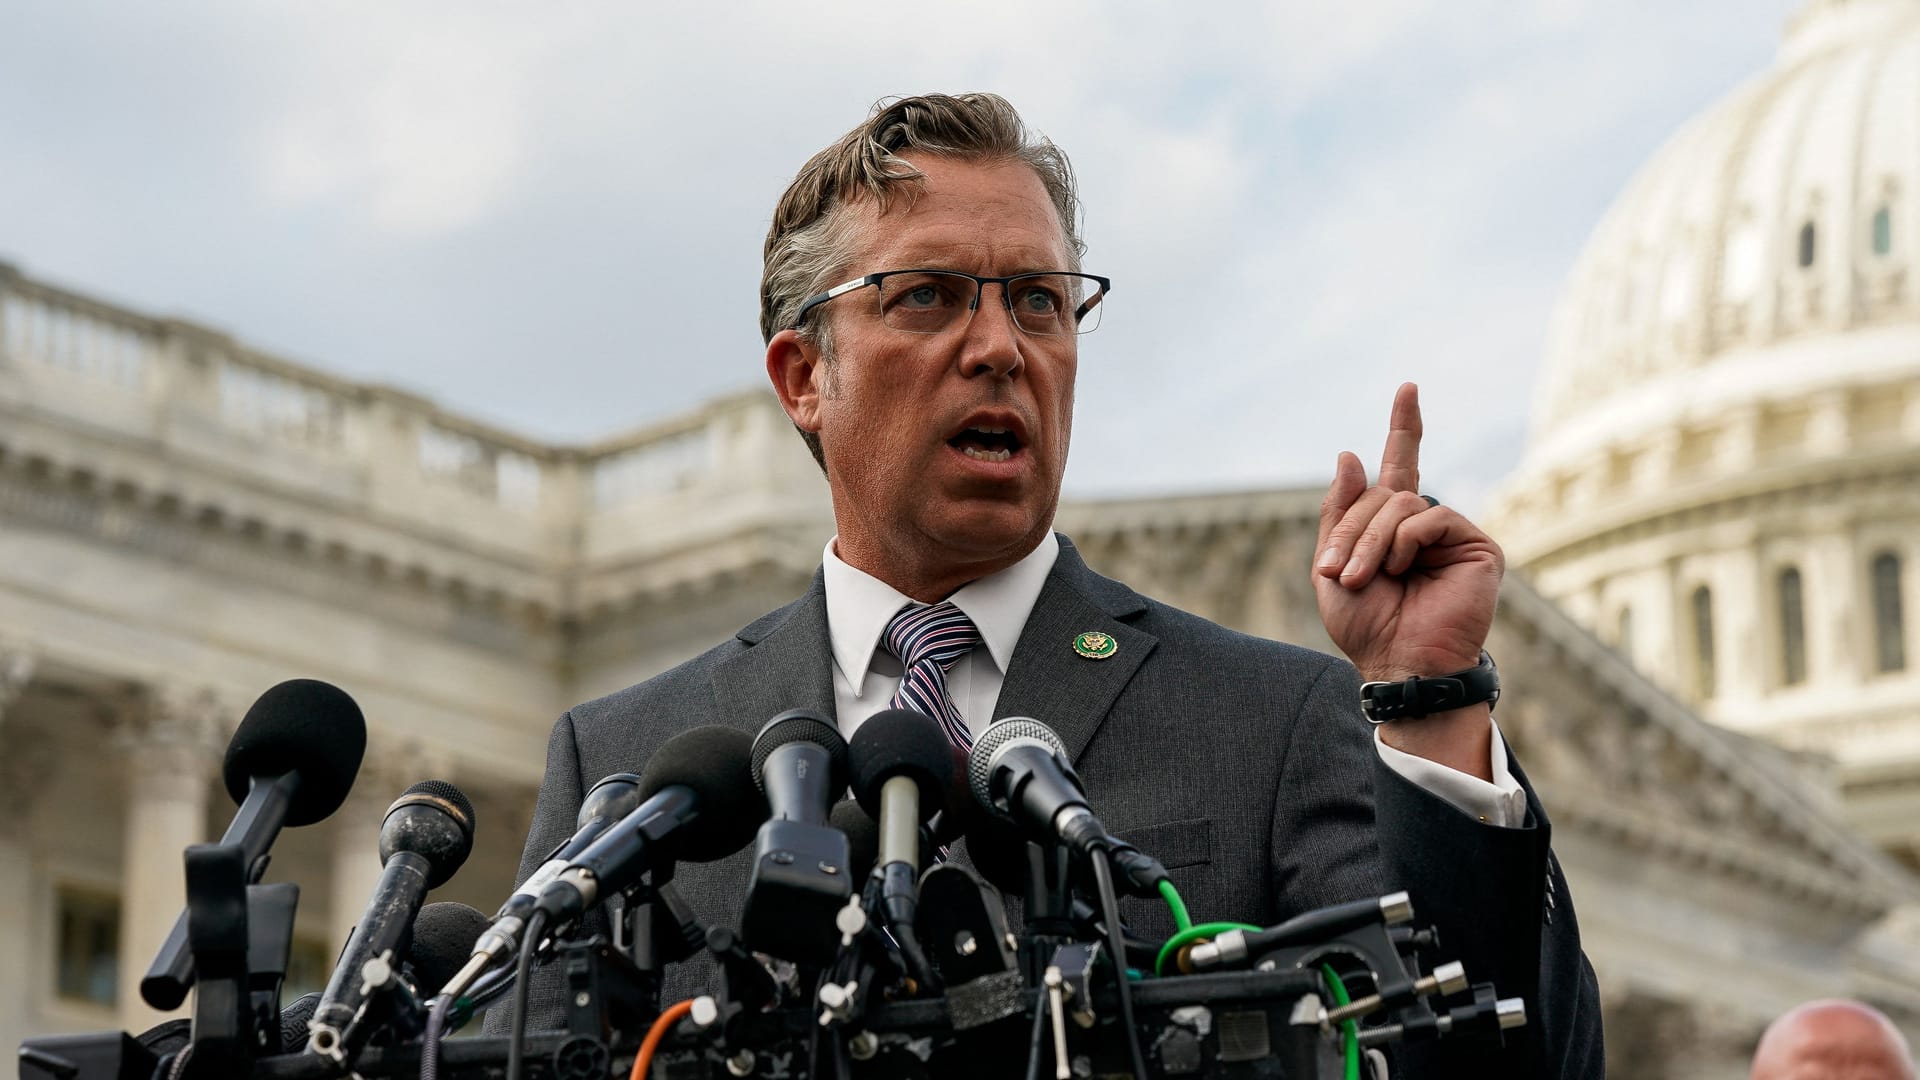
1832 1040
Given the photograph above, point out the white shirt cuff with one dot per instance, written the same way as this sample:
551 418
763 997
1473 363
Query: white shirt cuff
1503 802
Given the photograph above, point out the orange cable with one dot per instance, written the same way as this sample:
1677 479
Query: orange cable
644 1058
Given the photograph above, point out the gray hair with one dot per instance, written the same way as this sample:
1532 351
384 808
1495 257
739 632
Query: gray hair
813 231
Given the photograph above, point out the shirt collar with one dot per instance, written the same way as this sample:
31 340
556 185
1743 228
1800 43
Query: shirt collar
859 607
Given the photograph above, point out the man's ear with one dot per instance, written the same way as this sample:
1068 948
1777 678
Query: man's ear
798 372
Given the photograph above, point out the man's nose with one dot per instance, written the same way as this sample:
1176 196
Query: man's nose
992 345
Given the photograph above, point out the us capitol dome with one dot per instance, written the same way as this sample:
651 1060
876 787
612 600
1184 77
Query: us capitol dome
1722 478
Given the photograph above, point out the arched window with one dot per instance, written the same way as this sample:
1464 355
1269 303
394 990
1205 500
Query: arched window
1793 629
1806 245
1883 230
1889 627
1703 640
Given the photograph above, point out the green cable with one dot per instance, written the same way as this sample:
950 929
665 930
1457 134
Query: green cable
1190 934
1181 920
1350 1028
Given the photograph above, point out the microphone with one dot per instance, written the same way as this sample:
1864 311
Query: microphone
902 767
443 937
443 934
700 805
801 865
995 847
998 851
426 836
291 762
1018 770
613 798
800 761
863 837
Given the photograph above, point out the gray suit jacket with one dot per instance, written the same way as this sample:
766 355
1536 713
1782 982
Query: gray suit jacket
1243 764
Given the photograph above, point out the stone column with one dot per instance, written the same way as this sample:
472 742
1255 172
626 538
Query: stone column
1738 641
171 752
25 763
1837 608
1829 423
388 769
1655 622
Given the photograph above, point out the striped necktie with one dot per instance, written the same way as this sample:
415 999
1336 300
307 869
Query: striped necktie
929 641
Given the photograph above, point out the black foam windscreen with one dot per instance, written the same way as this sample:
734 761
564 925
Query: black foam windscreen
863 837
802 725
714 762
443 937
961 811
301 726
434 820
998 851
901 742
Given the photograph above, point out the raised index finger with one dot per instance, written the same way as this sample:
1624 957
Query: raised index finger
1400 464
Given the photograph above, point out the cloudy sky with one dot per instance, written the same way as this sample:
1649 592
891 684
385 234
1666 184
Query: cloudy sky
550 216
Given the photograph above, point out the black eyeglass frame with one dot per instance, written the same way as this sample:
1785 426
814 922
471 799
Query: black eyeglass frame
979 286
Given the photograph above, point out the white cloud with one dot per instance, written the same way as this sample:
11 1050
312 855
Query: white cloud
552 216
419 122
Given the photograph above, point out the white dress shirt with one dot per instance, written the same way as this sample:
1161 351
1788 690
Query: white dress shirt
865 674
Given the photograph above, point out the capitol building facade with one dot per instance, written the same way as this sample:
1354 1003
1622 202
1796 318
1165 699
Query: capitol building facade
1723 480
1708 641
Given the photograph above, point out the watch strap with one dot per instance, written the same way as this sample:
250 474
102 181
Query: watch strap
1416 697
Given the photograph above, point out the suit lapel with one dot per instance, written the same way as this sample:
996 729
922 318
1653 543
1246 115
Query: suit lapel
789 660
1051 682
788 664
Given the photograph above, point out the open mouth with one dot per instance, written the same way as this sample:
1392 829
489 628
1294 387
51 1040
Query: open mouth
986 443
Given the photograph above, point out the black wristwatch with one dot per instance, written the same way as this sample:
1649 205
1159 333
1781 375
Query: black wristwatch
1417 697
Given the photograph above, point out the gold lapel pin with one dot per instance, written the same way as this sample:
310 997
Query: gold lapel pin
1095 645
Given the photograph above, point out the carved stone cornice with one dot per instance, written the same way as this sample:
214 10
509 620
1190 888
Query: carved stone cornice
778 551
403 584
1887 479
171 740
184 717
508 604
1583 719
1702 849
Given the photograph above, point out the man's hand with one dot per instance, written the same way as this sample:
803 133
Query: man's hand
1408 589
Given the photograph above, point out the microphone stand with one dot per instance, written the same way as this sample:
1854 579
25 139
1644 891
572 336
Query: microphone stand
254 827
1049 907
237 938
270 911
223 1039
655 929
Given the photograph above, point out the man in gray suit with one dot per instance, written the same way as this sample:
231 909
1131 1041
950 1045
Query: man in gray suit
922 301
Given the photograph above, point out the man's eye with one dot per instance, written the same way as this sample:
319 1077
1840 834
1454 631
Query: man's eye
922 296
1039 301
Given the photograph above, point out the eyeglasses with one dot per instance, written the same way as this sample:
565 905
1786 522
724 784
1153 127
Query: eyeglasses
935 301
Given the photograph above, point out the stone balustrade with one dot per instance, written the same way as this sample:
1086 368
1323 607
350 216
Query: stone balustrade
175 392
